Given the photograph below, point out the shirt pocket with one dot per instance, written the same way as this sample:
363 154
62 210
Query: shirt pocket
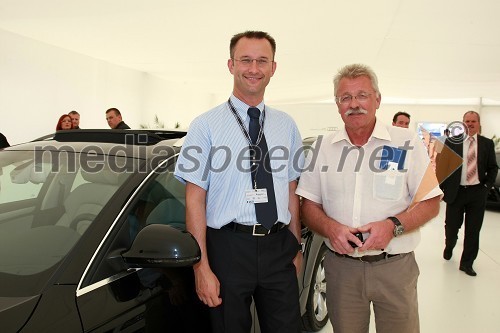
388 185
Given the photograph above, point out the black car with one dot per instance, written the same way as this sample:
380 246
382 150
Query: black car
92 238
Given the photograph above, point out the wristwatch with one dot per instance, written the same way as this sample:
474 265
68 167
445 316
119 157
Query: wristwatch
399 229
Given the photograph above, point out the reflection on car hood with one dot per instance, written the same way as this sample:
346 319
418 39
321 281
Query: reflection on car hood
15 311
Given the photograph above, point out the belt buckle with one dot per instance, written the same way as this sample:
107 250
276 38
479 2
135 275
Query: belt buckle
384 256
361 259
256 234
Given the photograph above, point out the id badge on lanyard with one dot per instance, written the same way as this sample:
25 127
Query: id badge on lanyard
258 195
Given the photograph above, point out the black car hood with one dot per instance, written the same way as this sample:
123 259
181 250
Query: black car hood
15 311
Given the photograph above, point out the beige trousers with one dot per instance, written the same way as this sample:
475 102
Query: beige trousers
390 285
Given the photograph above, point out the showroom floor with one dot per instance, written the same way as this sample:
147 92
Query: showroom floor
449 300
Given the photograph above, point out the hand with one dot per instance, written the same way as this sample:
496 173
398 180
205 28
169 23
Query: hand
381 233
339 235
207 286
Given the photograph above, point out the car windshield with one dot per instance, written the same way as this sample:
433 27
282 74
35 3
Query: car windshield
47 202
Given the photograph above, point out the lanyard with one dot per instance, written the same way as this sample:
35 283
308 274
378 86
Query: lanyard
243 128
247 136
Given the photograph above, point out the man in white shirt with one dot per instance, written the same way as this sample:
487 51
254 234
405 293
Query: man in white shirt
376 180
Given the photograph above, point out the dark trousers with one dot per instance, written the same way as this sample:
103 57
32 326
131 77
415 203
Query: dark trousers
254 267
471 202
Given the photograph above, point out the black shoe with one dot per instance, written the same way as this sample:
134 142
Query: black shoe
468 270
447 253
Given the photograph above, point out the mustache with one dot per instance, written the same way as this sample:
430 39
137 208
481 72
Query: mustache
355 111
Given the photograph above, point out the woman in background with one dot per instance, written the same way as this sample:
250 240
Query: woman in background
64 123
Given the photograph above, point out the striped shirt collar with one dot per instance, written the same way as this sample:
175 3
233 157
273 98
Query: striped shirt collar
242 107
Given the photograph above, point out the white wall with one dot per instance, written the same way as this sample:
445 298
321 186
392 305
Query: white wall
39 82
175 102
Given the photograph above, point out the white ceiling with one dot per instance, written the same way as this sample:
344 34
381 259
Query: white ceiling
419 49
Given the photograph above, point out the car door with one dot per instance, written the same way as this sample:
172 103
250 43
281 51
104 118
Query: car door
118 298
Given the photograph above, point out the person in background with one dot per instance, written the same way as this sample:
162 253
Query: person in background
64 123
245 216
114 119
466 168
401 119
375 181
75 118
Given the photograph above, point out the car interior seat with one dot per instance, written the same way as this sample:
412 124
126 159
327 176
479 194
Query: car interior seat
86 201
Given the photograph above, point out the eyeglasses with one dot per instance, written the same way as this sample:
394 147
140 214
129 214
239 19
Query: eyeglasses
261 62
346 99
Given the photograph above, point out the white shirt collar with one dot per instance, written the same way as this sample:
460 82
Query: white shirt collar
379 131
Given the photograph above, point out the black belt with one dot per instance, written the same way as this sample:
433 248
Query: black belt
469 186
255 230
370 259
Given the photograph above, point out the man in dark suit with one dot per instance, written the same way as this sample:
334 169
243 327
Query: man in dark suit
466 169
114 119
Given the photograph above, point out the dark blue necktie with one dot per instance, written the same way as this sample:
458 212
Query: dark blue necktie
267 214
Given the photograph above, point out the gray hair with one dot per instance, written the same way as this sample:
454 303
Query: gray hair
354 71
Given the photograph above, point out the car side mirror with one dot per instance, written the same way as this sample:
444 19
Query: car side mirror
162 246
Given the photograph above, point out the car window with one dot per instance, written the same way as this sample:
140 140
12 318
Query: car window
160 200
11 176
47 203
79 180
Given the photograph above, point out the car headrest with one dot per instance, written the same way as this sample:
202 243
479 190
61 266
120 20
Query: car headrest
30 172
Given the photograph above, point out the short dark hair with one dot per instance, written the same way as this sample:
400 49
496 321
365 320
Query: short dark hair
117 112
251 34
73 112
400 113
473 112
